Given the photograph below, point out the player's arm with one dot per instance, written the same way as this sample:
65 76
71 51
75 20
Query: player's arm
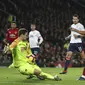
6 48
68 37
40 38
9 48
80 32
79 36
4 40
13 45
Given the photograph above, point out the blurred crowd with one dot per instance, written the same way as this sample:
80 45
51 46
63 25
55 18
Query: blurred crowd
52 17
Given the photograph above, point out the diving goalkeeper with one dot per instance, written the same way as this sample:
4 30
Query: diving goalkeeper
21 51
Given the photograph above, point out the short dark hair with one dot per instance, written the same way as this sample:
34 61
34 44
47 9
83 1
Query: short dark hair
75 15
22 31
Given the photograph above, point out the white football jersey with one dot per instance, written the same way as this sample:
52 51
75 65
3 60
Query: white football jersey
77 26
34 36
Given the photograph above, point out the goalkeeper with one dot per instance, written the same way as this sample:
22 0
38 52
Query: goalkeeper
21 51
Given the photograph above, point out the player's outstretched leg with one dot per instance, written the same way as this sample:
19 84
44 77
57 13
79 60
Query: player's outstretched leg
43 75
28 69
48 76
68 59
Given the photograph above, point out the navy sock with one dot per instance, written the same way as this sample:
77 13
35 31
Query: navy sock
66 65
37 62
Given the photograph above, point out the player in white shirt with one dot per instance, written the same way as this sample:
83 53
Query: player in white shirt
75 43
35 40
82 36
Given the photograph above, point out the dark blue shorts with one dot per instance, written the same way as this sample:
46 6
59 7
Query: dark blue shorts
76 47
35 51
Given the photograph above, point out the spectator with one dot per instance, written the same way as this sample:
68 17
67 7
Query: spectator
12 33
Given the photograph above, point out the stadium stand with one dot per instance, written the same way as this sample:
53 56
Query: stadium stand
52 17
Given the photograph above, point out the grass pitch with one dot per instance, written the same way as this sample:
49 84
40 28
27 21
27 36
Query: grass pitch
13 77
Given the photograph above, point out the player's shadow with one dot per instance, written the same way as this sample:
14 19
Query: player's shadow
34 80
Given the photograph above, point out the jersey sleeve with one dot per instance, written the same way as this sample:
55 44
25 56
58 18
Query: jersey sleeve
40 38
13 45
82 28
38 34
73 26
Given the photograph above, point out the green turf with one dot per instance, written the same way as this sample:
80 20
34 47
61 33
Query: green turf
13 77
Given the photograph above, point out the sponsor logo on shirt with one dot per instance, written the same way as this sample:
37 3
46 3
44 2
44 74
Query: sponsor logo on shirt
12 36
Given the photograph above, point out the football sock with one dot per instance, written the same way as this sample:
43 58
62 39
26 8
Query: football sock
66 65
